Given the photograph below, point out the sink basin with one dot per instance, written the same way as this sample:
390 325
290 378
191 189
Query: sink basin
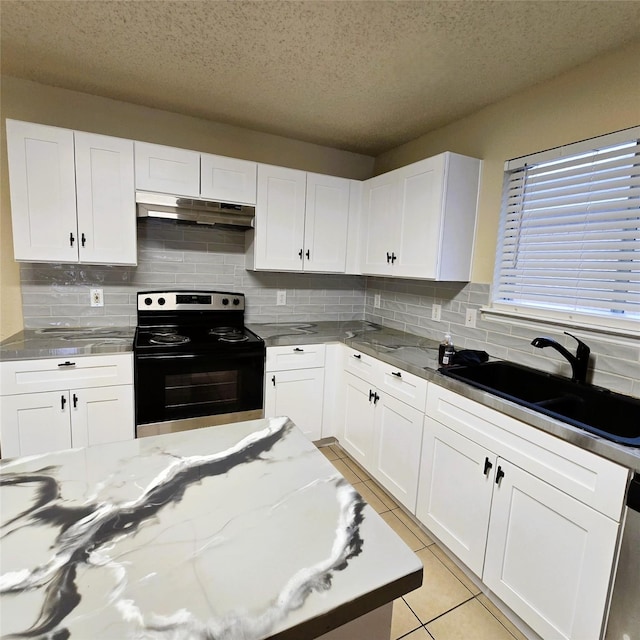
611 415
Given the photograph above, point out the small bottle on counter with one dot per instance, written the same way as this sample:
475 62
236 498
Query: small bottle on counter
446 351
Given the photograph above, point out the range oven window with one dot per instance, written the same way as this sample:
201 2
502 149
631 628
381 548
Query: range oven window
208 387
174 388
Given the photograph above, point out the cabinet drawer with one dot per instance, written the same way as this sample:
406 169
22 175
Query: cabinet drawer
74 372
361 365
403 386
593 480
298 356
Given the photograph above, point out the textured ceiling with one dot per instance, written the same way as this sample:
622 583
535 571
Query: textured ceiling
357 75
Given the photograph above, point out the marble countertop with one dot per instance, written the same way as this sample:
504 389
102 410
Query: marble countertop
239 531
420 356
56 342
412 353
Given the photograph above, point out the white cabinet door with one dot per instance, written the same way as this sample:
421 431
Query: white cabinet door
105 199
227 179
397 442
419 221
326 223
34 423
454 496
102 414
358 419
167 170
420 195
43 192
279 235
549 557
297 394
380 226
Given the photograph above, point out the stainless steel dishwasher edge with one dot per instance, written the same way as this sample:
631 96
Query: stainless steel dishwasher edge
624 614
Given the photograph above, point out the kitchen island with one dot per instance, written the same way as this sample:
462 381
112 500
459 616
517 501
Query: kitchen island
238 531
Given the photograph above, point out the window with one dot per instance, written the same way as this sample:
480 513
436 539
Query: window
569 240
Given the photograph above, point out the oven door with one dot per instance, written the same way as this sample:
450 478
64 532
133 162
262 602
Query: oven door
185 391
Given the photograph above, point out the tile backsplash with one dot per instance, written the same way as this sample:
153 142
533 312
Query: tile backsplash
407 305
172 255
178 256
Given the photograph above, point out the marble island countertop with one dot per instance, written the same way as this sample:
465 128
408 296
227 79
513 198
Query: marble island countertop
243 531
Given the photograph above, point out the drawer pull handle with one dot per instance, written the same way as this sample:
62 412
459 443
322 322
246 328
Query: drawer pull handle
308 254
487 466
357 355
67 364
499 474
397 374
75 401
298 349
273 379
376 397
371 395
63 401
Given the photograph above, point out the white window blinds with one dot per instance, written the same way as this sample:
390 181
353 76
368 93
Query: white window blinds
570 230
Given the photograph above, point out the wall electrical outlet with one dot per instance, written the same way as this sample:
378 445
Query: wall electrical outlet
281 297
376 300
471 317
436 311
97 298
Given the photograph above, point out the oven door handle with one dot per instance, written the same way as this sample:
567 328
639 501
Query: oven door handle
184 356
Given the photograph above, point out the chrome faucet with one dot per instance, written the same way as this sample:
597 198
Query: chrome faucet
579 362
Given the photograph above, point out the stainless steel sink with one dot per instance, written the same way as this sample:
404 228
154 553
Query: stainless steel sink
611 415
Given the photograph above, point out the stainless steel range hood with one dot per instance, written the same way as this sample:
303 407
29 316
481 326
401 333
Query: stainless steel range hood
220 214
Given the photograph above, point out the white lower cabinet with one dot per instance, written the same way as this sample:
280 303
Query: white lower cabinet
454 499
549 557
534 517
396 448
294 386
357 433
52 404
380 431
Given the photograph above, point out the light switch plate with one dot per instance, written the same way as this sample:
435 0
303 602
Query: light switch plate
436 311
281 297
376 300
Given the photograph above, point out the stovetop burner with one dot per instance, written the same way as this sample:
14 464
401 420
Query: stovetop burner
168 338
225 331
233 337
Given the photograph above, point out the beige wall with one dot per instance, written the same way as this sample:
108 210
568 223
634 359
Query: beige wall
23 100
596 98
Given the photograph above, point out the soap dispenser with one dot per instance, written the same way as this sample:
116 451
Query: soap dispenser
446 351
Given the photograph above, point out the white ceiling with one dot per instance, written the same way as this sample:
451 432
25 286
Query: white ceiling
360 75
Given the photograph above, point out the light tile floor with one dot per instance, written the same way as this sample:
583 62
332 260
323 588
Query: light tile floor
448 606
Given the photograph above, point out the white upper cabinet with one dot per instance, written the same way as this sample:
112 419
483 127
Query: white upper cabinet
325 223
192 174
167 170
279 224
301 221
105 199
419 221
227 179
72 195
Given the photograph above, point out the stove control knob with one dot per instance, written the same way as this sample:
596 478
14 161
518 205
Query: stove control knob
148 301
236 301
161 301
225 301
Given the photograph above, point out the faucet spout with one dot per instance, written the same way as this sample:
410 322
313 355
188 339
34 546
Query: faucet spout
579 363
